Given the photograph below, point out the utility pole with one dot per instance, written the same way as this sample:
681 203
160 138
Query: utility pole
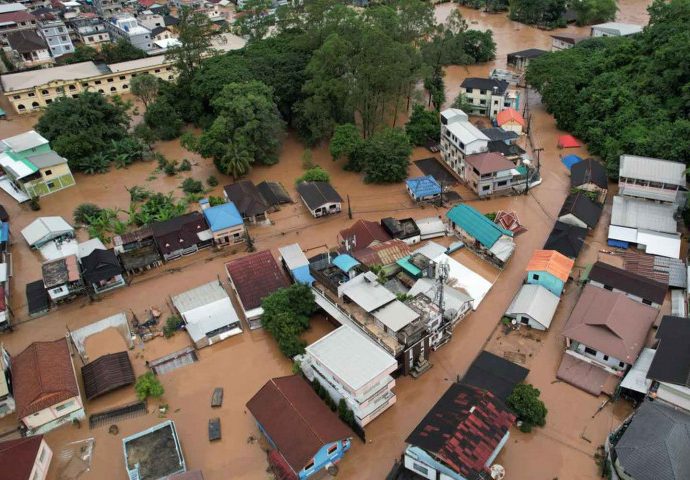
349 208
538 151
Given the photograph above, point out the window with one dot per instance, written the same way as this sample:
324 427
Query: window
485 188
49 172
98 82
331 450
64 406
590 351
21 107
110 80
535 276
85 84
502 183
606 357
72 87
309 466
158 70
468 90
49 100
17 97
31 94
495 102
51 185
63 38
621 364
420 468
482 102
45 92
125 86
42 455
646 302
113 89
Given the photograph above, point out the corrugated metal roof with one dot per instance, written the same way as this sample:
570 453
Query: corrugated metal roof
536 302
367 292
642 214
552 262
396 315
293 256
477 225
423 186
652 169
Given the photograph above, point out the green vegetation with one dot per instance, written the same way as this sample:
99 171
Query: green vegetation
148 386
624 95
315 174
486 5
423 126
145 88
286 316
462 103
212 181
543 13
120 51
256 19
156 208
345 142
185 165
172 325
455 44
163 120
84 211
386 155
525 403
189 185
591 12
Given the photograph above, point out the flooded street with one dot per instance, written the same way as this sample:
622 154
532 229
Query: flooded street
242 364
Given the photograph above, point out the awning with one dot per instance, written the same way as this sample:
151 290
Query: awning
570 160
302 275
568 141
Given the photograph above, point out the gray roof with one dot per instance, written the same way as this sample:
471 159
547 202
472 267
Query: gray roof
48 159
43 76
395 315
367 292
453 299
46 228
24 141
652 169
643 214
536 302
205 308
655 445
618 28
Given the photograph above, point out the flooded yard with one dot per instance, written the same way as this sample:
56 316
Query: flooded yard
242 364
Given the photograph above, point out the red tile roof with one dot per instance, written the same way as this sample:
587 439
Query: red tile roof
43 376
552 262
17 457
463 428
365 233
255 277
508 115
296 419
17 17
489 162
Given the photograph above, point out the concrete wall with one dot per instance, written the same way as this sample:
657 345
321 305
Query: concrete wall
42 463
55 412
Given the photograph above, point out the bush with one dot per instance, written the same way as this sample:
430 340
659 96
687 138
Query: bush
192 186
170 167
212 181
307 159
172 325
525 403
286 316
213 201
147 386
35 203
316 174
185 166
84 212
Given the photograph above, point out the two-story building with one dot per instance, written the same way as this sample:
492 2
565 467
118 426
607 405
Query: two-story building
125 26
15 21
28 49
652 179
489 96
107 8
90 31
225 222
25 458
490 173
637 287
57 37
459 138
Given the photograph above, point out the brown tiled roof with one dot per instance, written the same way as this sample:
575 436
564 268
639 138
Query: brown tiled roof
179 232
365 232
17 457
629 282
385 253
107 373
611 323
132 237
489 162
26 41
43 376
296 419
255 277
552 262
17 17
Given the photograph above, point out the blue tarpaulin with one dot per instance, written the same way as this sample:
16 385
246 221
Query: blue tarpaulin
618 243
570 160
302 275
4 232
345 262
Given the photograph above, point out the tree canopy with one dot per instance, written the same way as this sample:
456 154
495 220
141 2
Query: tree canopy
286 315
590 12
145 87
423 125
544 13
625 95
386 156
120 51
525 402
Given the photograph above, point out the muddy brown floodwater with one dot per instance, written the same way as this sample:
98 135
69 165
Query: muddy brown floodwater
563 449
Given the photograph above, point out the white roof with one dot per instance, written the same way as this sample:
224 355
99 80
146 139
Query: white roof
293 256
454 114
25 141
636 378
652 169
42 76
54 250
11 7
45 228
153 61
465 131
664 244
622 28
18 169
536 302
503 248
430 225
367 292
678 306
461 277
3 272
643 214
86 248
453 298
396 315
166 43
205 308
350 357
431 250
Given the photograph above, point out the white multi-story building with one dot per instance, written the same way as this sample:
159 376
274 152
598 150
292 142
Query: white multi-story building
90 31
57 37
489 96
106 8
460 138
125 26
351 367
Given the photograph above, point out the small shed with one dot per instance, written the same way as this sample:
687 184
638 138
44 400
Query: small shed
423 189
533 306
431 227
570 160
106 374
296 263
568 141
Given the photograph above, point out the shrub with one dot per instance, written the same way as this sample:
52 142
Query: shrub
147 386
212 181
170 167
316 174
172 325
213 201
192 186
185 166
35 203
525 403
84 212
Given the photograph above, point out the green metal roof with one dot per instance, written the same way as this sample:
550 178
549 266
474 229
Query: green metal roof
409 267
476 225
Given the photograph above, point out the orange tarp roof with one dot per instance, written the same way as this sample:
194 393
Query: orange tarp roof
505 116
551 261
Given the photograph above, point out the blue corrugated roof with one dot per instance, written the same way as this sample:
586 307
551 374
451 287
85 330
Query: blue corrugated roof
302 275
570 160
423 186
4 232
223 216
345 262
476 225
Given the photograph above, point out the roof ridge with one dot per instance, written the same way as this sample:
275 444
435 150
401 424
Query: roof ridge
298 411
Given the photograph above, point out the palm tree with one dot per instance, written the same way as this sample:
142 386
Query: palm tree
235 162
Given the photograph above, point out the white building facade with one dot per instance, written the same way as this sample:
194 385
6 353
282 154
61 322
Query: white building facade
57 37
460 138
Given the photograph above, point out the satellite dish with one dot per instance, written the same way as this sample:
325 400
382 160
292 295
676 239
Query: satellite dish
498 472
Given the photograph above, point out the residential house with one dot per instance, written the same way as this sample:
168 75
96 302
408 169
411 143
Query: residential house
564 42
248 200
57 37
650 225
102 271
423 189
430 227
608 329
566 239
293 259
498 134
384 255
90 31
137 250
351 367
107 373
494 374
45 386
579 210
459 138
670 368
305 435
457 302
652 179
404 229
550 269
32 166
151 20
489 173
163 34
226 223
208 314
590 176
274 193
520 60
615 29
534 306
331 270
489 96
7 404
511 151
124 26
15 21
510 119
25 458
182 235
47 229
461 436
254 278
481 234
28 49
640 288
61 278
108 8
320 198
652 445
362 234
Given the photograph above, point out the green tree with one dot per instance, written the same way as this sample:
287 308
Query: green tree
386 156
148 386
194 32
315 174
345 142
545 13
525 403
286 316
85 211
145 134
255 19
423 126
436 88
145 88
189 185
590 12
120 51
163 120
462 103
82 53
